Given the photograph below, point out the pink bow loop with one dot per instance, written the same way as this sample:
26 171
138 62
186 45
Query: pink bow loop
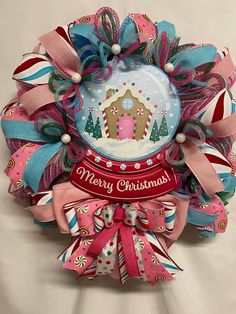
93 215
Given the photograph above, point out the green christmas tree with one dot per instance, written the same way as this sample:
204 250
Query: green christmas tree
154 136
163 131
89 127
97 133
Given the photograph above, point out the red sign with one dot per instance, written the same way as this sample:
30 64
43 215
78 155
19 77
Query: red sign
124 187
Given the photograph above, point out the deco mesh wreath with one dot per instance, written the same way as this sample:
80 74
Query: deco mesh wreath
121 136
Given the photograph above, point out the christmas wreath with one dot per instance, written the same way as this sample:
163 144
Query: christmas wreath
121 136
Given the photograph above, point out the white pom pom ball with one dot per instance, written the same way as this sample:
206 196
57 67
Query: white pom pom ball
116 49
65 138
169 67
76 78
180 138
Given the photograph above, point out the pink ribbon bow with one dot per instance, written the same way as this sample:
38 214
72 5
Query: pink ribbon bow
129 239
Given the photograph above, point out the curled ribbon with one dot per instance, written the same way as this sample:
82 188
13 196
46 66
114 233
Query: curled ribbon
107 27
110 40
180 62
66 62
65 65
164 48
63 86
54 129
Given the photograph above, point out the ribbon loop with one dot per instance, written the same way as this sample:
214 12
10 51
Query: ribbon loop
190 153
63 55
107 25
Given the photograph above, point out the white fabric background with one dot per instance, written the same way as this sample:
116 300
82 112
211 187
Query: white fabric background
31 278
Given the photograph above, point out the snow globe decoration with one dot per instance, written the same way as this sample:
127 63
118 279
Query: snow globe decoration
131 116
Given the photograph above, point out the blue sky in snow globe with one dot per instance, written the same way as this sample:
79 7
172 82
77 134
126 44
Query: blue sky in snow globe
131 116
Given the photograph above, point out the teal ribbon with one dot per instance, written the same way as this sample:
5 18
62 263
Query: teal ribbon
85 30
229 183
85 38
23 130
194 57
37 164
59 86
128 32
199 219
167 27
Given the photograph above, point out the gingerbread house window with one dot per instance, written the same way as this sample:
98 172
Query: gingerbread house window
127 103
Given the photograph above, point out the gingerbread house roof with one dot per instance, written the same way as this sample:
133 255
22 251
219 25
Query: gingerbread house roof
135 93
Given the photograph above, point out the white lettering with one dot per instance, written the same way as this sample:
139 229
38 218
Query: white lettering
121 185
89 177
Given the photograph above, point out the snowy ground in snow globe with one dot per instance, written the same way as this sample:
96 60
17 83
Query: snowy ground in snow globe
128 149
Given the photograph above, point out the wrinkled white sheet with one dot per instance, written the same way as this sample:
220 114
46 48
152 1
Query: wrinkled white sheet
31 278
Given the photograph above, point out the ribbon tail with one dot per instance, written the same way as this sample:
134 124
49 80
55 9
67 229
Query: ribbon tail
202 169
154 269
75 257
102 238
129 251
66 254
106 262
179 220
37 164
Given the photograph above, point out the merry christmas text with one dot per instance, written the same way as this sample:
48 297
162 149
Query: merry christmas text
121 185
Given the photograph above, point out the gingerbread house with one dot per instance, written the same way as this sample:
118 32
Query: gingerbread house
126 113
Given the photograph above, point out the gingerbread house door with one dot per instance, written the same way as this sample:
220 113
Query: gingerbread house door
126 127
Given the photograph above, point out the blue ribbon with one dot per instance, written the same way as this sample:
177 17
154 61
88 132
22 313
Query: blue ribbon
194 57
84 36
199 219
167 27
128 32
37 164
23 130
229 183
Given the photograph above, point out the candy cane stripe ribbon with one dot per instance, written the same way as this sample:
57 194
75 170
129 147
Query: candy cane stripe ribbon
202 168
64 58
